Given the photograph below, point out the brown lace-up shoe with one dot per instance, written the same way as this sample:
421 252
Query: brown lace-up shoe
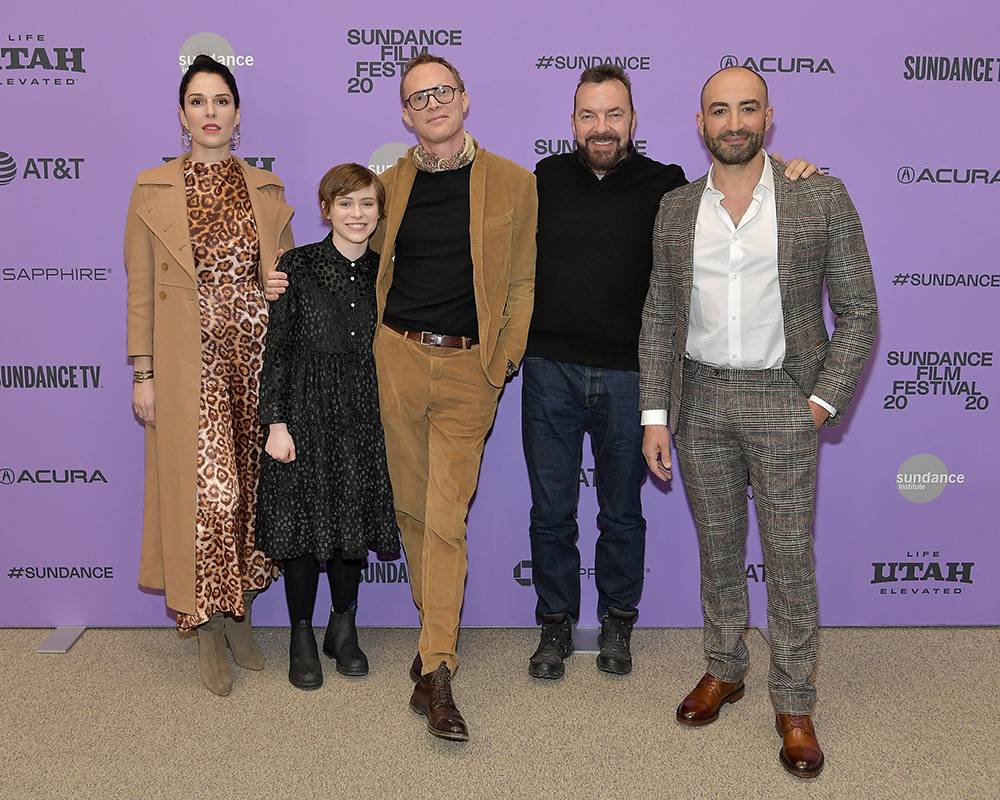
416 668
432 698
702 705
800 753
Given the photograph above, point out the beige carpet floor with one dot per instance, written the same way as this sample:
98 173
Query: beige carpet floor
903 713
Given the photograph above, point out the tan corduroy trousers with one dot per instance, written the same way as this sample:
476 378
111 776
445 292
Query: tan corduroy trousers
437 408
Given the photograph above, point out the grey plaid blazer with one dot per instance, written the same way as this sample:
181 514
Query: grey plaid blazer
819 239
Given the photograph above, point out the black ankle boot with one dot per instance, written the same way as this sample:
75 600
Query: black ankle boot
341 643
616 634
304 669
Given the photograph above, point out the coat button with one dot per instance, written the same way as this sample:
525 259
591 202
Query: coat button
163 267
163 295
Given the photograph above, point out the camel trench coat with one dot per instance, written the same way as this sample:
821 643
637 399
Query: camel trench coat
164 322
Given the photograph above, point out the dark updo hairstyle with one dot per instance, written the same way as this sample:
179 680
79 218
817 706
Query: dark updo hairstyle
203 63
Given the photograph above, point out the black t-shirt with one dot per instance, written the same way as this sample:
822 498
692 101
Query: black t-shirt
432 288
595 256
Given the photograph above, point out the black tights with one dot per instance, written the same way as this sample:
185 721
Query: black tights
302 581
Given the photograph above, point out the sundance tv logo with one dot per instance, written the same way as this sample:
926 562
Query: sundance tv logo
261 162
799 65
955 175
25 58
954 69
49 168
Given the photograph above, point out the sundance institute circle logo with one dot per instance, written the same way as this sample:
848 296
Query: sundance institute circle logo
922 478
728 61
386 156
8 168
905 175
211 44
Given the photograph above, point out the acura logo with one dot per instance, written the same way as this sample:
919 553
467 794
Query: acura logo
905 175
729 61
6 476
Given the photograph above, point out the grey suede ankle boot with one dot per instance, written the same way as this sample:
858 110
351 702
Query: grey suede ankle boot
239 635
212 663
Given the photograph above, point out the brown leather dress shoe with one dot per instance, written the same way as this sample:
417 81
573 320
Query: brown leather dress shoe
432 698
416 668
800 753
702 705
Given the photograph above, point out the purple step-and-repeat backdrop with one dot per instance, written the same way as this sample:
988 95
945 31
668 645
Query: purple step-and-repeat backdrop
902 107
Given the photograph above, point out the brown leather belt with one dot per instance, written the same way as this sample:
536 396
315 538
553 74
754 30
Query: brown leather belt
433 339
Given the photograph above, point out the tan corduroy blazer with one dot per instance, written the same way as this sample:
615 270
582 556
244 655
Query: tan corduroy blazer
164 322
503 217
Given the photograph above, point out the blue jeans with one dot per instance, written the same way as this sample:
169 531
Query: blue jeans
559 403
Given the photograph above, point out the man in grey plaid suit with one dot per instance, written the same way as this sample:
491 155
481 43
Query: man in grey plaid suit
735 360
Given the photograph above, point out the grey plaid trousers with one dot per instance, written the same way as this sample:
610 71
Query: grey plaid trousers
753 426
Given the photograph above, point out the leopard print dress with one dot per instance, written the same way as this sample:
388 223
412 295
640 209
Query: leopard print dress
233 323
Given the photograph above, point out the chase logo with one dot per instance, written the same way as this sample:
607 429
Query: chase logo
522 573
8 169
6 476
905 175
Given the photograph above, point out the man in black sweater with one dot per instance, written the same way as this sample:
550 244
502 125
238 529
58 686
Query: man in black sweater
596 209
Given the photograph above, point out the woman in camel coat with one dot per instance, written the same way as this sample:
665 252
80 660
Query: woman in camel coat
199 230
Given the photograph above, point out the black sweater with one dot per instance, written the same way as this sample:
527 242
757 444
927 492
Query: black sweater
594 258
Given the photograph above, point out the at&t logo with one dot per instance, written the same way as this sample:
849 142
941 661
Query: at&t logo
49 168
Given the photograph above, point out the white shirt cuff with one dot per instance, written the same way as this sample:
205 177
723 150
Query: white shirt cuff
656 416
823 403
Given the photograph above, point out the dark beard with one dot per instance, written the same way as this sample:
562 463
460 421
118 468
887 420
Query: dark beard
602 162
735 155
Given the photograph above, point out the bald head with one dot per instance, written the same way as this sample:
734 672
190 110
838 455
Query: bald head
738 80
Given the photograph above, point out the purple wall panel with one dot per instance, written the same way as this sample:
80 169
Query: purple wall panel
915 155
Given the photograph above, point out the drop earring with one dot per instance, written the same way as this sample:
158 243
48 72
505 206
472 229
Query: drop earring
185 139
234 140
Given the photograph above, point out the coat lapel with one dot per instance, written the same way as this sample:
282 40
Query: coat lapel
270 216
399 196
686 221
166 214
786 211
477 213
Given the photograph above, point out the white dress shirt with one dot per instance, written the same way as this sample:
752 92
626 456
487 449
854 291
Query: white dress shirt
735 319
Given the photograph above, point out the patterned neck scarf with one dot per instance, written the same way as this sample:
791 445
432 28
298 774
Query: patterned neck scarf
428 162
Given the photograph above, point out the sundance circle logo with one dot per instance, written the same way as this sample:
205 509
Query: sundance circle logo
922 478
214 45
386 156
8 168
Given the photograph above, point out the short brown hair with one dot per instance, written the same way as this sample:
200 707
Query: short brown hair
345 179
427 58
602 73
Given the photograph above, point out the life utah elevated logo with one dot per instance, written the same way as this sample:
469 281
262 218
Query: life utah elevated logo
29 59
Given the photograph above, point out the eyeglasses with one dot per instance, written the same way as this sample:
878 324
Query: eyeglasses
443 94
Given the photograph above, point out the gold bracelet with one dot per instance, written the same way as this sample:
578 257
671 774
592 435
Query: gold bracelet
140 375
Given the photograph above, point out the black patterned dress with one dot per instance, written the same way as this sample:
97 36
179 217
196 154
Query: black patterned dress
319 379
